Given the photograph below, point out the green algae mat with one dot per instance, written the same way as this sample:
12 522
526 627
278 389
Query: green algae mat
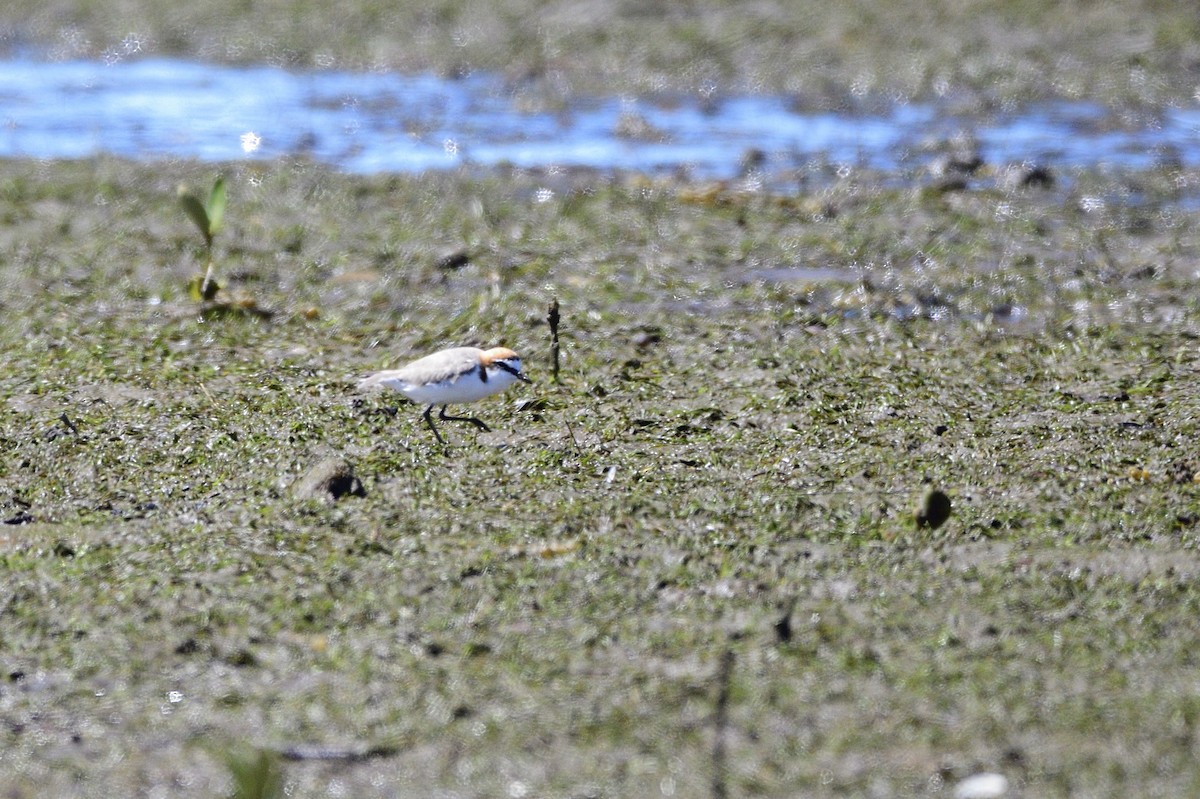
692 565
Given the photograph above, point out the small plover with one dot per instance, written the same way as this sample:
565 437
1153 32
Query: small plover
459 374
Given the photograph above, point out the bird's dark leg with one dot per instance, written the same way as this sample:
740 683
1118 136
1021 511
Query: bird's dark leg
429 421
477 422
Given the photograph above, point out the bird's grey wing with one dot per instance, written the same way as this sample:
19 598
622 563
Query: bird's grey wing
441 365
430 369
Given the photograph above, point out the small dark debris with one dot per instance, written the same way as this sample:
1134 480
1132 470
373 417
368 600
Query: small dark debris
1181 472
22 517
368 548
346 484
453 260
598 391
532 405
477 649
330 479
1025 176
434 649
242 658
463 712
1003 311
950 183
940 430
63 550
752 159
188 647
70 425
783 629
16 676
965 161
645 338
783 626
934 510
243 308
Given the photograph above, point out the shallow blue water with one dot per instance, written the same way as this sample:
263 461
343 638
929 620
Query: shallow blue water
383 122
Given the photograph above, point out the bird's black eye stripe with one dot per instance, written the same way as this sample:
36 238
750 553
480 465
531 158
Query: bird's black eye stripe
506 368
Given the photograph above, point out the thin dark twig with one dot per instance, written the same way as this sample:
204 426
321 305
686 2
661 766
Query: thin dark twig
574 440
352 754
720 789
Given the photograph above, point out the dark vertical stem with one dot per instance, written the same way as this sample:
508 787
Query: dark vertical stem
552 318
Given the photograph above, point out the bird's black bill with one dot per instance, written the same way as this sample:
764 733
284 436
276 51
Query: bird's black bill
514 372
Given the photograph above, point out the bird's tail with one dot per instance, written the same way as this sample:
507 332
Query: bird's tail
377 380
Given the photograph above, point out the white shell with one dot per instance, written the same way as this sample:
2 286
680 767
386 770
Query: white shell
985 785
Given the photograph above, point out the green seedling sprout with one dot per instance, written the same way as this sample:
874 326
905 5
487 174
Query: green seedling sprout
256 775
208 217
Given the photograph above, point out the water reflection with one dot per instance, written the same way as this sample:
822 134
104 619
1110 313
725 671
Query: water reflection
379 122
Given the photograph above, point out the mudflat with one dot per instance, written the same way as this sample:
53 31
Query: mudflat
691 566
